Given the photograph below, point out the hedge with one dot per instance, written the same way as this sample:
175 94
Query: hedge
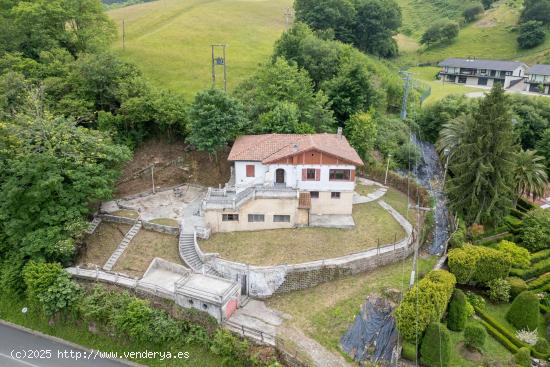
524 312
534 270
457 314
539 282
432 293
478 264
409 351
499 337
523 357
517 285
540 255
513 223
535 233
435 350
520 256
474 335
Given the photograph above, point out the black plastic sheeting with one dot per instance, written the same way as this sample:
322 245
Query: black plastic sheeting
373 335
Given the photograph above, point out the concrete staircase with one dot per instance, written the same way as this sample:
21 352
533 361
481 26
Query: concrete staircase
93 225
189 254
122 246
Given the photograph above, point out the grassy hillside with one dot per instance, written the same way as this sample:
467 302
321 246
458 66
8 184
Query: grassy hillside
170 39
492 36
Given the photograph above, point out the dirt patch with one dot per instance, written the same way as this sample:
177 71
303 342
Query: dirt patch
143 248
471 355
100 245
488 22
174 165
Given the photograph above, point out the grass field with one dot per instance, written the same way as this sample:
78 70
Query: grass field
170 40
426 74
143 248
296 245
492 36
101 244
325 312
492 351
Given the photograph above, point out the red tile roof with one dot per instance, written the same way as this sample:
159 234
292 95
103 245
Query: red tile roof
271 147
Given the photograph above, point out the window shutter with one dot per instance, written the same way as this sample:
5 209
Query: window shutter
304 174
250 170
352 175
317 174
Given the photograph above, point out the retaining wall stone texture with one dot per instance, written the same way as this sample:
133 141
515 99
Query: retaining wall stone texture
117 219
174 231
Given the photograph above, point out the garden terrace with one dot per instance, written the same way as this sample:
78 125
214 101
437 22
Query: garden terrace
373 226
143 248
100 245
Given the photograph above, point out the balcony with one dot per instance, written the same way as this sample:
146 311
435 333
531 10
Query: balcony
230 199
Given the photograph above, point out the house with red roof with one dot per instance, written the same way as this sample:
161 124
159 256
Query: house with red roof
285 181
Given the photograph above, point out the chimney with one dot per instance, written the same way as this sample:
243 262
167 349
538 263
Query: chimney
339 132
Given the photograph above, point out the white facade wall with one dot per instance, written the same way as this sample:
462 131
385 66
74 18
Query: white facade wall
265 175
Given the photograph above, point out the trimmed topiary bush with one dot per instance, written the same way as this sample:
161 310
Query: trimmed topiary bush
457 314
535 233
499 291
478 264
474 335
524 312
542 346
520 256
523 357
435 350
409 351
517 285
432 294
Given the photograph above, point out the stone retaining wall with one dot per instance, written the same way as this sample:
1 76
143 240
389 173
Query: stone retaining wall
174 231
265 281
117 219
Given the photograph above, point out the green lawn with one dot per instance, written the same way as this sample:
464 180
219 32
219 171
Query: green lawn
427 74
498 312
493 36
491 351
170 40
325 312
399 202
373 225
77 332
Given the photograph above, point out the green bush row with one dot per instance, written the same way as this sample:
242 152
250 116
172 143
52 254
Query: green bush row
540 255
424 303
534 270
479 264
504 336
539 282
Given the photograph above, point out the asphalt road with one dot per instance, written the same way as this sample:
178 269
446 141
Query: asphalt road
20 348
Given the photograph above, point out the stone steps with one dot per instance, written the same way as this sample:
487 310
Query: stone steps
122 246
93 225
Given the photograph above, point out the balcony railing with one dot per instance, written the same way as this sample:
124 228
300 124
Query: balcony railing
229 199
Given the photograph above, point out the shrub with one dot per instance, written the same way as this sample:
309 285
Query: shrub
535 234
435 350
523 357
456 317
472 12
540 255
527 336
409 351
524 312
499 291
60 296
442 31
476 300
458 238
519 255
542 346
38 277
517 285
474 335
233 350
531 34
478 265
432 294
134 321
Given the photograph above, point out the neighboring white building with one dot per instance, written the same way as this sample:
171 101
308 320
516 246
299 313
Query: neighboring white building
280 180
482 72
538 79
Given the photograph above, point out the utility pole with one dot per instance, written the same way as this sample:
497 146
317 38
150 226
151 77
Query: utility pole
405 95
219 61
123 35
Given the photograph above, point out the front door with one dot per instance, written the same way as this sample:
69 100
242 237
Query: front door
280 176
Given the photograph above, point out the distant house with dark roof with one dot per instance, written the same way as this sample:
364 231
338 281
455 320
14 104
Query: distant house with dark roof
284 181
538 79
479 72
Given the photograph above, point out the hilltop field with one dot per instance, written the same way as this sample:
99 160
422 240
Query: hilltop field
493 35
170 40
